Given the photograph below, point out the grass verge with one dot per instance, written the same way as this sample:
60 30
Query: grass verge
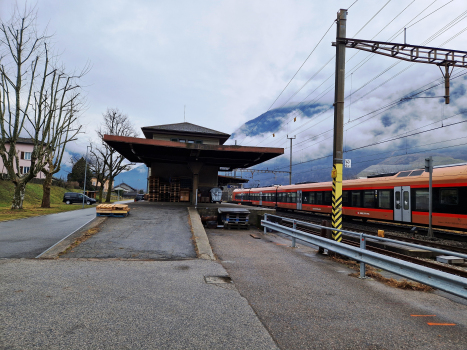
88 234
32 201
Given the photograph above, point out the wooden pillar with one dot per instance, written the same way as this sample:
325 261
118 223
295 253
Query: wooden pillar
195 168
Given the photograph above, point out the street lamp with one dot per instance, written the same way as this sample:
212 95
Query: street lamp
85 172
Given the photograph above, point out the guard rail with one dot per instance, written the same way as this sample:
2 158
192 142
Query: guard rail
438 279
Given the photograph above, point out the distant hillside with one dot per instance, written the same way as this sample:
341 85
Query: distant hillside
314 163
407 163
136 178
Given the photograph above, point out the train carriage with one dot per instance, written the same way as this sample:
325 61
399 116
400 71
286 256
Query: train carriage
400 197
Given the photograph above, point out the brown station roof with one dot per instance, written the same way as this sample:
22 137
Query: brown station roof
225 180
146 151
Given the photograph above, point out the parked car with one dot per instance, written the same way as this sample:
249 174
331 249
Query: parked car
139 197
73 197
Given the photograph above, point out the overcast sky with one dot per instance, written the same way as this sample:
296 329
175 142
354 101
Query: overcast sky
227 61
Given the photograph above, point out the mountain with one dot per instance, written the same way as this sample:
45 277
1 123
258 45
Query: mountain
393 140
136 178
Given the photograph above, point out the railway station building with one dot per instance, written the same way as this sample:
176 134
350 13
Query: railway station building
184 159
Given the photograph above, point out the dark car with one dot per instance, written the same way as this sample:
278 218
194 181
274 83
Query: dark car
73 197
139 197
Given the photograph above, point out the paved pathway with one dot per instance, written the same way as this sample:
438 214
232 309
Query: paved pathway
149 232
107 304
27 238
307 301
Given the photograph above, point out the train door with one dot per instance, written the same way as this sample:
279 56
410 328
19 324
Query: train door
402 207
261 198
299 200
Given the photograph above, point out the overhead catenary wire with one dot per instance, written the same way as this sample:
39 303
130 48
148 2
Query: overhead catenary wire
293 116
370 56
312 51
403 70
433 37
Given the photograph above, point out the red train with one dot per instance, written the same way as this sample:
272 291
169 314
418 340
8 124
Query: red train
401 197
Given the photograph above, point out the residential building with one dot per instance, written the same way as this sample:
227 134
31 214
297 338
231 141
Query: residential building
24 148
128 191
97 184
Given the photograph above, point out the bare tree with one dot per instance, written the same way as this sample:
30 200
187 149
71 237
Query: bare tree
29 86
64 108
98 165
115 123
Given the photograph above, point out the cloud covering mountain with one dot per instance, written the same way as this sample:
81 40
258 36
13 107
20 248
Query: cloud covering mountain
381 134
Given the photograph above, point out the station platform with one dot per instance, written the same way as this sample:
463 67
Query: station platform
148 281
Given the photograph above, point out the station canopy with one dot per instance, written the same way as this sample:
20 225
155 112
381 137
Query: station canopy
148 151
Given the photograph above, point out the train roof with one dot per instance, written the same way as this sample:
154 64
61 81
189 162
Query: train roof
446 174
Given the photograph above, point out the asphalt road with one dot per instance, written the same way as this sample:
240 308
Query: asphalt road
308 301
27 238
112 304
150 231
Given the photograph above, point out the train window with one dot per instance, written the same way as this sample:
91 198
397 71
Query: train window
449 197
312 198
279 197
327 198
398 199
292 197
421 199
368 199
403 173
406 200
384 199
355 198
319 198
417 172
306 197
345 198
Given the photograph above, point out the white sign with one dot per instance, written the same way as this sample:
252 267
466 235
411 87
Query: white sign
348 163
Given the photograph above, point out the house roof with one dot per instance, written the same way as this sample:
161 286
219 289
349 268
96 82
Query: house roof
187 129
24 140
123 185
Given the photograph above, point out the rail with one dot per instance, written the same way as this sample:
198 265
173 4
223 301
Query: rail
438 279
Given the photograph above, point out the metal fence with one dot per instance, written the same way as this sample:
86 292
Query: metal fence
438 279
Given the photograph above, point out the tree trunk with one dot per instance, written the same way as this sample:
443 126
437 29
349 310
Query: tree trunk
109 190
46 191
18 199
101 193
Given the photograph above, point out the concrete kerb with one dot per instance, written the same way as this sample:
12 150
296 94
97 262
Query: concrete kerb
201 238
54 251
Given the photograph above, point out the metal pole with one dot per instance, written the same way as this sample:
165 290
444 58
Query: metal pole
362 265
430 197
293 238
290 169
85 171
446 84
338 126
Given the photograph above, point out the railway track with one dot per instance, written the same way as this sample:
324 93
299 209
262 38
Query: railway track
364 229
423 262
